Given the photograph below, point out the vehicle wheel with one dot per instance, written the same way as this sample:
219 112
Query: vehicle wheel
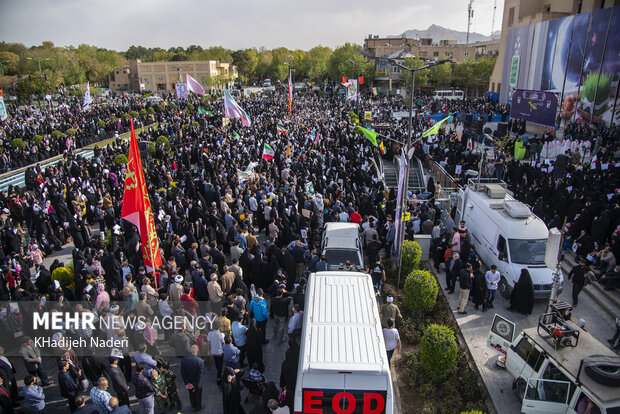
520 388
604 374
504 288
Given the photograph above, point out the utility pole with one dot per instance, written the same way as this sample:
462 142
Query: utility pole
38 59
2 67
493 20
470 15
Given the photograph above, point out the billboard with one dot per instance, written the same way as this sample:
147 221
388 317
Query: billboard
352 90
536 107
577 56
181 90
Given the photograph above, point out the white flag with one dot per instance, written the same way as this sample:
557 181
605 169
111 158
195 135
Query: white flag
3 114
87 98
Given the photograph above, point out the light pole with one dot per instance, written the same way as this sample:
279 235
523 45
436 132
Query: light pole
38 59
2 67
401 197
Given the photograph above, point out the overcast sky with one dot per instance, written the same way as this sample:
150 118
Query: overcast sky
234 24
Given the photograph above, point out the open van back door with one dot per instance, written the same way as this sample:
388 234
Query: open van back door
501 334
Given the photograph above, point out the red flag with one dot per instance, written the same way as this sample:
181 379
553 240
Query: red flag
361 80
344 79
137 207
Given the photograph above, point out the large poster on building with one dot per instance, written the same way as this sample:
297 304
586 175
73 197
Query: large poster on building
352 90
536 107
181 90
576 56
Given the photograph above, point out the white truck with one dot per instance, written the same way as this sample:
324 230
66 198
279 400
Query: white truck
343 366
342 242
506 233
558 368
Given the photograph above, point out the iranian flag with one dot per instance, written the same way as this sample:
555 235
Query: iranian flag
233 110
281 129
208 114
268 152
193 85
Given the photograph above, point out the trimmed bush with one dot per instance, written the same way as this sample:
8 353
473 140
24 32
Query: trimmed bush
412 252
71 132
114 119
64 276
133 114
190 107
195 123
438 351
421 291
125 116
150 110
37 139
56 134
152 148
159 108
142 112
163 141
101 123
120 159
18 143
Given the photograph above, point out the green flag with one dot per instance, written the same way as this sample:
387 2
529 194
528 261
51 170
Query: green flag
371 135
203 112
236 135
435 128
519 150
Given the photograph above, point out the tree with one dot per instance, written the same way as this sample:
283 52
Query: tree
421 76
440 75
10 68
338 65
264 61
245 61
315 62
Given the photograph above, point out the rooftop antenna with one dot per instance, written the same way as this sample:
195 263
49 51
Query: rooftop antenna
470 15
493 20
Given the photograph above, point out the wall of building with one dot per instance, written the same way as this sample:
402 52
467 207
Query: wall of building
576 56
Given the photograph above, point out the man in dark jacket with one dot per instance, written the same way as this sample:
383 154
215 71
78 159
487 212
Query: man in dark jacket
578 276
68 386
279 312
144 390
192 370
465 277
82 408
117 377
453 268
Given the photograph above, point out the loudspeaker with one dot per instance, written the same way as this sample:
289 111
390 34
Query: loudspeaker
467 120
479 126
502 128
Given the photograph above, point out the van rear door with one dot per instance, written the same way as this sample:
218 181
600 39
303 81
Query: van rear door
501 334
545 396
330 401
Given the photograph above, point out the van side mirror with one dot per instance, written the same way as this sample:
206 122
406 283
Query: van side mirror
501 256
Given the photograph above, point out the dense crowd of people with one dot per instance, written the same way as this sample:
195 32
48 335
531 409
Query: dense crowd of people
236 245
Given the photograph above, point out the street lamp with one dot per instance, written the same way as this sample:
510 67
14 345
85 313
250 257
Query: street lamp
401 198
38 59
2 67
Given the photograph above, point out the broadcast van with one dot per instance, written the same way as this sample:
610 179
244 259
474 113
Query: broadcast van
342 242
506 233
343 366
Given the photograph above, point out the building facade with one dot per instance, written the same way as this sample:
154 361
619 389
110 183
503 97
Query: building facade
518 13
570 48
163 76
388 77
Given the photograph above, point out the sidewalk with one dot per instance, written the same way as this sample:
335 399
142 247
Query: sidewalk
475 327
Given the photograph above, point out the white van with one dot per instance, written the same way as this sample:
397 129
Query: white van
342 242
267 83
449 94
506 233
557 367
343 364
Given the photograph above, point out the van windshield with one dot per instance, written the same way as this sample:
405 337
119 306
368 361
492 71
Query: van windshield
528 252
339 257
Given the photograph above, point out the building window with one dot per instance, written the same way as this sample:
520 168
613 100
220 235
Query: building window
547 8
161 86
511 16
499 86
492 86
465 54
436 54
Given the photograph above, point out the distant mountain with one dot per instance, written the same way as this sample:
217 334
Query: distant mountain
438 33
